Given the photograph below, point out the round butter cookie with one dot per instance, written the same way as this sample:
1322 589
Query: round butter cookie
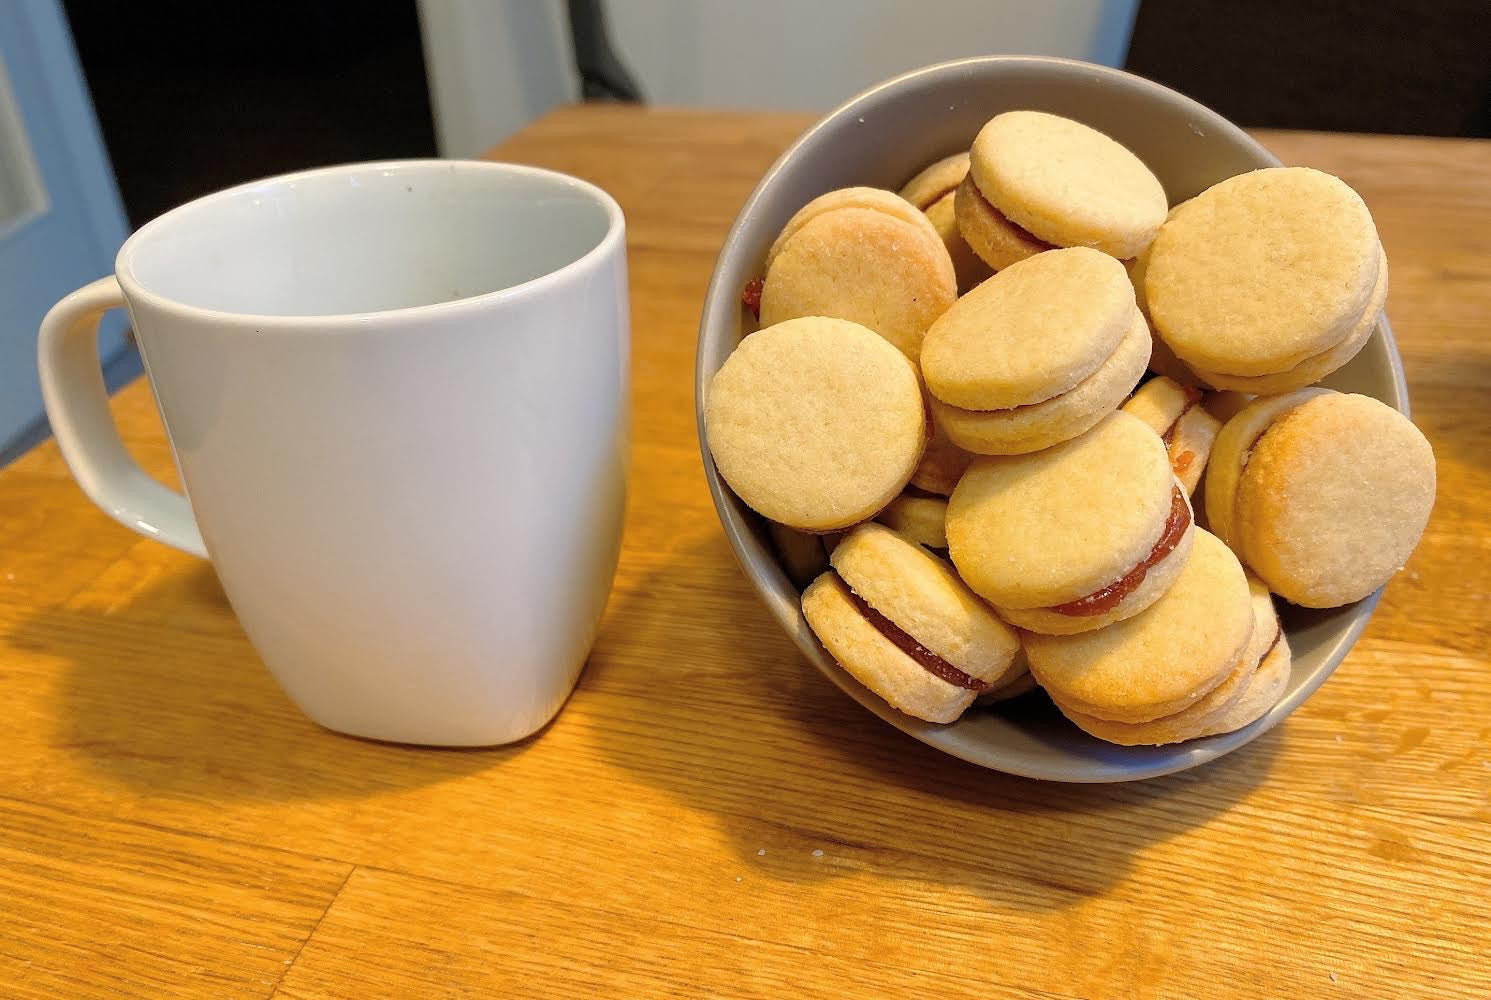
1067 183
936 180
1265 688
919 519
869 198
1015 682
991 236
1260 272
1219 706
1161 661
942 464
1077 536
1031 332
1318 366
851 255
904 625
1034 426
815 423
1323 494
932 191
1175 413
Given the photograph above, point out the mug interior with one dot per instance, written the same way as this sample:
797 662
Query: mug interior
368 238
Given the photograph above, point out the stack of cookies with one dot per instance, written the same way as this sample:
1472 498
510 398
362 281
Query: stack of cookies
941 419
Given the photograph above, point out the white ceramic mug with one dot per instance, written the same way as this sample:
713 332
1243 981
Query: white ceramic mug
397 397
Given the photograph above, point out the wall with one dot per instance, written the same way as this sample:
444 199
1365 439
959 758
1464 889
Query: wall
494 65
193 97
1400 66
812 56
69 223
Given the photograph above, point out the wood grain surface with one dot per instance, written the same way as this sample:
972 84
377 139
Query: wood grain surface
708 816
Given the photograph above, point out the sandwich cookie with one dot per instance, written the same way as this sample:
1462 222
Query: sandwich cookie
1174 412
1159 662
1264 690
933 192
1323 494
1317 367
1075 537
1224 405
901 622
992 237
1162 360
942 464
831 540
864 255
816 423
802 555
920 519
869 198
1064 184
1263 272
1037 354
1222 705
1016 682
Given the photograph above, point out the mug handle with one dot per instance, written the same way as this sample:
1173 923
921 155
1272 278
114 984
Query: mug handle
72 385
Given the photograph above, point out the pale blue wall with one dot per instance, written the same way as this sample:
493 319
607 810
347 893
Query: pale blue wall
75 239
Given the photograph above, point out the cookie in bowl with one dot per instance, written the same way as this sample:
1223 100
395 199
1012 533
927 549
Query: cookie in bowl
1251 688
1075 537
1037 354
1016 683
1267 281
816 423
864 255
917 518
1165 659
942 464
1062 183
934 191
1323 494
1175 412
904 625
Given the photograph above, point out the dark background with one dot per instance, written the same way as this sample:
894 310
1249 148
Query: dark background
1361 66
192 97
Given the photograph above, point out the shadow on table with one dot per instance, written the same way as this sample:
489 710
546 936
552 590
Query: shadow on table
165 695
819 772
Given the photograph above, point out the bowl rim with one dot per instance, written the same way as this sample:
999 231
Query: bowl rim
721 305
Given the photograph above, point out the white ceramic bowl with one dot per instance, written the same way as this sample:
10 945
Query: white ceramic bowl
881 138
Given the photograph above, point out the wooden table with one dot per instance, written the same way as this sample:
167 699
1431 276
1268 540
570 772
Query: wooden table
709 816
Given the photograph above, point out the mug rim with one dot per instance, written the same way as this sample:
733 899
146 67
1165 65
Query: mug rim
137 292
